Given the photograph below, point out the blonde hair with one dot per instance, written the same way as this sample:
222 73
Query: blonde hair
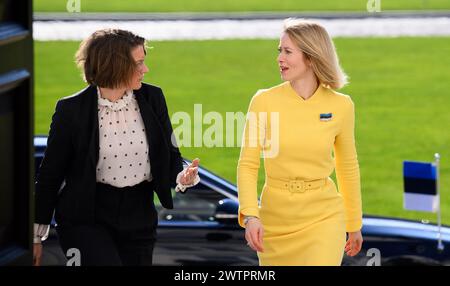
314 41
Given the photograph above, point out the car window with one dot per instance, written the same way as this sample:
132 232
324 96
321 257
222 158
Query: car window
196 204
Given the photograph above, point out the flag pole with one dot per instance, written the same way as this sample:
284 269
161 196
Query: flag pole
440 245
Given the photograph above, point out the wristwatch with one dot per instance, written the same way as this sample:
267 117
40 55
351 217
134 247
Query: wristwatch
247 218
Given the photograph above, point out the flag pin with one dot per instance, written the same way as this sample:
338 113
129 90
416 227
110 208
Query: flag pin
326 116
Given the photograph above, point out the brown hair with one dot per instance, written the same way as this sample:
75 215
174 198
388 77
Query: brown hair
314 41
105 57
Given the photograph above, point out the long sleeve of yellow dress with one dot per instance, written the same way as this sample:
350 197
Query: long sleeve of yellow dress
249 162
347 171
297 138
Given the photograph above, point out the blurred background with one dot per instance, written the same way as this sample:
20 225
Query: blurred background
219 53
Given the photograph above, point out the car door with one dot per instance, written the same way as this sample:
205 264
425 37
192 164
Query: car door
194 233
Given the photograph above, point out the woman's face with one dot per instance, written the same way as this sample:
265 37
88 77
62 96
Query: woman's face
138 55
291 60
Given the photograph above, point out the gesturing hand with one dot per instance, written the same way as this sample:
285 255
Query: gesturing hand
190 173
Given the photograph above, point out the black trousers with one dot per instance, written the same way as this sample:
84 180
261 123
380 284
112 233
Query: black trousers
124 231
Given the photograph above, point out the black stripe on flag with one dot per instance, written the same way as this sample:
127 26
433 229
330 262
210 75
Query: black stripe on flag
420 186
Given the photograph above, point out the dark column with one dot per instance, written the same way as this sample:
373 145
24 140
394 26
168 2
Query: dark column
16 132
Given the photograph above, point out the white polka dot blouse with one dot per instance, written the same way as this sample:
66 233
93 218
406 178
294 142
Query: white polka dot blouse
123 147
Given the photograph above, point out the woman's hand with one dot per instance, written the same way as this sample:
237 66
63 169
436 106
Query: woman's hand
190 173
354 243
254 234
37 254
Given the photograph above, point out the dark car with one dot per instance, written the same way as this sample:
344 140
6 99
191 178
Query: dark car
202 229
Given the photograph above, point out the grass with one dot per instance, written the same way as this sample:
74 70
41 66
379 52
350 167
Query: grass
400 87
236 6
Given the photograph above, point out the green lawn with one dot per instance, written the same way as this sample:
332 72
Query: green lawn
234 6
401 89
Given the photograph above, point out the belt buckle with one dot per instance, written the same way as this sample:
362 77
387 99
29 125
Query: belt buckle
297 186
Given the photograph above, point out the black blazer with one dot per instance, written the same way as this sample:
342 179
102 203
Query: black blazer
72 155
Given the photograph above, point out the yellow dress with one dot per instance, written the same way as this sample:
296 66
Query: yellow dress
302 225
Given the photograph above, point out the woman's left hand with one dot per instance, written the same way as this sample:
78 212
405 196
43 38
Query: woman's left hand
354 243
190 173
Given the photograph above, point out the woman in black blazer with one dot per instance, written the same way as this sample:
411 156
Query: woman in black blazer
111 145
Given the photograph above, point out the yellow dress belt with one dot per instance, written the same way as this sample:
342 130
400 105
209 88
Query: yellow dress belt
295 185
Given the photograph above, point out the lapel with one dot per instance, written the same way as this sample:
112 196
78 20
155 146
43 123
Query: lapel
152 127
92 118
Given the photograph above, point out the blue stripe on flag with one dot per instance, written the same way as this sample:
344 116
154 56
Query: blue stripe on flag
419 170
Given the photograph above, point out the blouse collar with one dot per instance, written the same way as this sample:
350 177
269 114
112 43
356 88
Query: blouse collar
117 105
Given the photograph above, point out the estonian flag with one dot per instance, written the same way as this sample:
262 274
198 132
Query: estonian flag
420 183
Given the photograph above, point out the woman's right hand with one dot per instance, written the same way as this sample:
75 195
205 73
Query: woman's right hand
37 254
254 234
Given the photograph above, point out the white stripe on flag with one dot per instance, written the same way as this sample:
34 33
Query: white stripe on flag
420 202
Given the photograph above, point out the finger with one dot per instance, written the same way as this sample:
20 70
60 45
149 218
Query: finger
349 248
257 244
250 236
192 171
195 162
252 247
254 236
247 238
260 235
251 244
260 239
353 246
354 250
188 177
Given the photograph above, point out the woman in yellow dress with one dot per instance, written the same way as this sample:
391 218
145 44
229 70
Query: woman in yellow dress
297 126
